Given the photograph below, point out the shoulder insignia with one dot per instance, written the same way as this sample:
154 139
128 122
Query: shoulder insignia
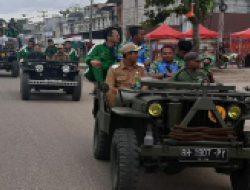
140 65
115 66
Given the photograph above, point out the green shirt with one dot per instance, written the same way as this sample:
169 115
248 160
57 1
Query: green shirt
25 53
104 54
50 51
73 55
12 33
207 68
187 76
180 61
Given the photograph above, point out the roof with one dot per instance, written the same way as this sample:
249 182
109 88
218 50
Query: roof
205 33
242 34
76 14
164 32
113 1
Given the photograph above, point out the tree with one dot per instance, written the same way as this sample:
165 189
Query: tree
199 10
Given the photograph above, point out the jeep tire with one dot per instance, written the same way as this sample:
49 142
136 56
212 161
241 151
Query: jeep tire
124 160
15 69
77 90
240 178
25 87
101 143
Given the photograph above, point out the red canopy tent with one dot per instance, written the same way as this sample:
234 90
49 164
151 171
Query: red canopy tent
240 42
204 33
164 32
242 34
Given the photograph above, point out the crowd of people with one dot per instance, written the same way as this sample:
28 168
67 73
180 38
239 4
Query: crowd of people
120 68
61 52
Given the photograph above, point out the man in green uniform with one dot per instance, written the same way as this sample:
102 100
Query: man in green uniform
103 56
191 72
12 31
73 55
183 47
50 50
207 68
26 52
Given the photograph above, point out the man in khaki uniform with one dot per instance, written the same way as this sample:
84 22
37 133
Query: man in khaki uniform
124 75
61 55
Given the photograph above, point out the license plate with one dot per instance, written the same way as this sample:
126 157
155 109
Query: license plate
203 154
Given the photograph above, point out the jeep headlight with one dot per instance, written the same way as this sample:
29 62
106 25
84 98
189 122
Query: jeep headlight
39 68
155 110
221 110
66 68
234 112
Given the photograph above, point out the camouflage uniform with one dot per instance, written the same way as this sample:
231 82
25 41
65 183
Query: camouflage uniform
180 62
185 75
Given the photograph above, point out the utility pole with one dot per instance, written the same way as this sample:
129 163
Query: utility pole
136 12
43 14
196 27
220 43
222 8
91 22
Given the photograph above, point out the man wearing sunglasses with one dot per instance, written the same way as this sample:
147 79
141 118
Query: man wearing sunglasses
192 71
124 75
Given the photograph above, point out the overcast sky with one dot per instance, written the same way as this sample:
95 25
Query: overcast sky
14 8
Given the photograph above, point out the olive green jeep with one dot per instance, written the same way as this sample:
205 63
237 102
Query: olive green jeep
8 57
170 127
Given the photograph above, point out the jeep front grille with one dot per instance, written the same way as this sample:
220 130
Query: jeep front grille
52 83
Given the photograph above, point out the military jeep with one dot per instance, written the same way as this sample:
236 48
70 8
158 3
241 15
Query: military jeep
170 127
8 57
50 75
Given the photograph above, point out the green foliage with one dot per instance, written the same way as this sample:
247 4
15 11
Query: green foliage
164 11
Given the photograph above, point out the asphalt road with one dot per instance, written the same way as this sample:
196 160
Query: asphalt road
46 144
